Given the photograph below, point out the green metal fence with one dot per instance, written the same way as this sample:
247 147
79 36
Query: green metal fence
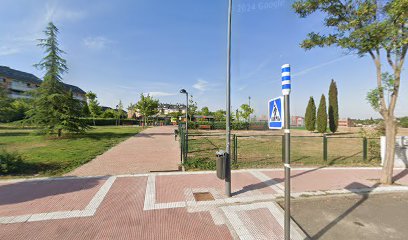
267 150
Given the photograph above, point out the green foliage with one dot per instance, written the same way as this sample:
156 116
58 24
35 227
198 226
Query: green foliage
147 106
93 104
403 122
205 111
192 107
333 107
111 121
374 96
220 115
310 116
10 163
54 109
321 123
108 113
246 111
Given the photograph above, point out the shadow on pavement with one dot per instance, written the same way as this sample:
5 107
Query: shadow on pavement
31 190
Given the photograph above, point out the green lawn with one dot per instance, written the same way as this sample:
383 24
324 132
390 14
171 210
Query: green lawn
266 151
45 156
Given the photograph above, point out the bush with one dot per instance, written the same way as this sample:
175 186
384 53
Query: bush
111 121
10 163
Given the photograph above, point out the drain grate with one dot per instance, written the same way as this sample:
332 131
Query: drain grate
203 196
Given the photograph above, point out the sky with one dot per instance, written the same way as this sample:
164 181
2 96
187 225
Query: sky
120 49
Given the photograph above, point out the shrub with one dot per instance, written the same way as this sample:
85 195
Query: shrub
10 163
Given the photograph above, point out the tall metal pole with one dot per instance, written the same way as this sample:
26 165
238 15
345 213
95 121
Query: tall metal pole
286 87
228 120
186 152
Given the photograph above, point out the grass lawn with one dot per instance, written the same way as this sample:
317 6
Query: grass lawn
46 156
266 151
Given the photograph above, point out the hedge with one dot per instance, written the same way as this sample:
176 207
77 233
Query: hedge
111 121
234 125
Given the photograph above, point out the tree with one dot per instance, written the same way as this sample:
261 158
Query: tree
220 115
205 111
54 108
246 111
119 111
310 116
333 107
192 107
321 125
373 28
93 105
5 105
147 106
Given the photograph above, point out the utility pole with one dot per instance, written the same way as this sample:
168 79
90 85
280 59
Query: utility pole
228 108
249 104
286 87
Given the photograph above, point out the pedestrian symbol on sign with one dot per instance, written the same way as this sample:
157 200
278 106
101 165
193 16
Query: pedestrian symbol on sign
276 113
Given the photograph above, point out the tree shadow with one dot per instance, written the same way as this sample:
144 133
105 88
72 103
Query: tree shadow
353 187
36 189
342 158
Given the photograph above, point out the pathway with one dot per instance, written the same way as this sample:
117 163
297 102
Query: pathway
152 150
166 206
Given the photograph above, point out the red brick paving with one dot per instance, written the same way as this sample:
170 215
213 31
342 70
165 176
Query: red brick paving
47 196
121 214
171 188
154 149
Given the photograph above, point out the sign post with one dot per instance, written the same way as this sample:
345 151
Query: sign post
286 87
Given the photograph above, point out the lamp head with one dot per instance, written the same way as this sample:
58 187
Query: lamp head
183 91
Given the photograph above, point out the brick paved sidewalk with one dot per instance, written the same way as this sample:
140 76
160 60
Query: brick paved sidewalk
154 149
164 205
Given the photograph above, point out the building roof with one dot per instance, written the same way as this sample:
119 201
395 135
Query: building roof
19 75
31 78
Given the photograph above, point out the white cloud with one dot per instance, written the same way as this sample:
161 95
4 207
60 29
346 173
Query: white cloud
159 94
310 69
96 42
201 85
5 51
58 14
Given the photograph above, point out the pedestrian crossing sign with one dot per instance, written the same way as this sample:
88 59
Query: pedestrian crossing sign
276 113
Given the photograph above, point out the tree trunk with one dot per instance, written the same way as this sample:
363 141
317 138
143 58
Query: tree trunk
59 133
390 133
93 119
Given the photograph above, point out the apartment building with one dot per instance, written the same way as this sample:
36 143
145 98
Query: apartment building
18 83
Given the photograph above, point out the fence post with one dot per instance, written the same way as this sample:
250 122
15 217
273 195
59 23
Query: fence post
364 149
324 147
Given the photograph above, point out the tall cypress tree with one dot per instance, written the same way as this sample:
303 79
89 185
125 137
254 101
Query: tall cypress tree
333 107
54 108
310 116
322 115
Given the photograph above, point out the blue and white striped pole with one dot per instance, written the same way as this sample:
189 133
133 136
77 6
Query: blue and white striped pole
286 79
286 87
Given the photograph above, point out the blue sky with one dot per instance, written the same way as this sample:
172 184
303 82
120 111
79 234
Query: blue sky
119 49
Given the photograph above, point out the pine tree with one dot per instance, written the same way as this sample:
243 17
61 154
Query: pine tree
322 116
333 107
310 116
54 108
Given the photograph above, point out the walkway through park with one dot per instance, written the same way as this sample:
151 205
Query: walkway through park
172 205
154 149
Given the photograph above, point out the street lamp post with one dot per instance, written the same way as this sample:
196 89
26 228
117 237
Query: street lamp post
185 92
228 110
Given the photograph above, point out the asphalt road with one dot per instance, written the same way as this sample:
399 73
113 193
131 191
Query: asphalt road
378 216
